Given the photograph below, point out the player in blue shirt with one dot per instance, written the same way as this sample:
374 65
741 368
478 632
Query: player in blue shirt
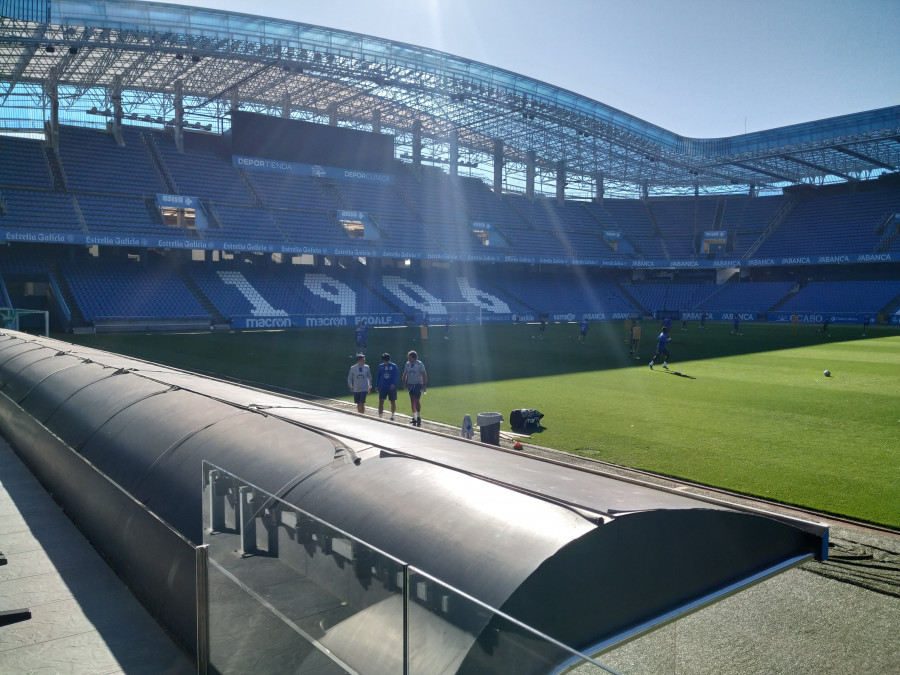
583 329
386 382
662 348
362 336
737 324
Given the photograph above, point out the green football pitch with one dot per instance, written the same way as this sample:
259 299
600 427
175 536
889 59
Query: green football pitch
752 413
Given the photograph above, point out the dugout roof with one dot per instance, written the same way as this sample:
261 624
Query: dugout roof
91 51
589 559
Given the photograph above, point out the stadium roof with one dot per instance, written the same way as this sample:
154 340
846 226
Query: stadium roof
90 51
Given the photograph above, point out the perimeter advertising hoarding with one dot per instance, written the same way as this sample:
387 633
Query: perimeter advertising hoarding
314 321
219 241
818 317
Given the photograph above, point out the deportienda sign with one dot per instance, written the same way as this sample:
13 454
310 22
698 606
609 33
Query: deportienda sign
313 170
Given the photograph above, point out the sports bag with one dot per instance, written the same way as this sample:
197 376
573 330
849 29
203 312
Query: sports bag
525 418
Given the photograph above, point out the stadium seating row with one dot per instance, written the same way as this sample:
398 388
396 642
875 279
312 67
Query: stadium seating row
104 289
106 187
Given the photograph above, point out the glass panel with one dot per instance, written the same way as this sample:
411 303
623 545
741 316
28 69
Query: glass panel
289 593
451 632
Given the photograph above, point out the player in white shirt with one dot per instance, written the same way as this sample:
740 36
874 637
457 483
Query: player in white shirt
360 382
415 379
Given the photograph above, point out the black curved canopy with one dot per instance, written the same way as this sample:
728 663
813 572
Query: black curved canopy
581 556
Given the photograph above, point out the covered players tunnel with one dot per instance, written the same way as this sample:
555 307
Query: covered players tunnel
586 558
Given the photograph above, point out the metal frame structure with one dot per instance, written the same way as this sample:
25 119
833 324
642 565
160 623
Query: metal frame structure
85 61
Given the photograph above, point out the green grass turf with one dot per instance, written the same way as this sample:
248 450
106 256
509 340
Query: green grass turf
751 413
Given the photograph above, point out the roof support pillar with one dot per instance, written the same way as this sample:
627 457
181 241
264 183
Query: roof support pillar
286 106
498 166
52 127
117 112
561 181
332 115
598 187
376 121
179 115
454 152
417 143
529 173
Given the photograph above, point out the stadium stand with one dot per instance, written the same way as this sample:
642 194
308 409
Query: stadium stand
826 297
250 292
112 290
565 294
300 193
23 163
756 298
747 217
40 211
669 297
94 162
109 190
246 223
105 214
832 224
680 220
202 170
630 217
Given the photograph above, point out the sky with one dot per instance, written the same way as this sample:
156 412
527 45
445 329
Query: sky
699 68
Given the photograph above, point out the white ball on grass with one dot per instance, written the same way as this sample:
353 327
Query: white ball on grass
827 373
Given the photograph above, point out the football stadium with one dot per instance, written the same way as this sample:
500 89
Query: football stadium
660 429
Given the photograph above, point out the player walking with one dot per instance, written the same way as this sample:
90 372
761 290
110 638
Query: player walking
414 379
662 348
360 382
582 330
386 382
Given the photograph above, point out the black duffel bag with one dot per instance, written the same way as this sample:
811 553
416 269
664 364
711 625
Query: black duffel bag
524 419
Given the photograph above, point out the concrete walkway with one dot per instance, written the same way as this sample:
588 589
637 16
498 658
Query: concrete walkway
83 618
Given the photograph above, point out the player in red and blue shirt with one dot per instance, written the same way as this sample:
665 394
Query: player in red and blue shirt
386 382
